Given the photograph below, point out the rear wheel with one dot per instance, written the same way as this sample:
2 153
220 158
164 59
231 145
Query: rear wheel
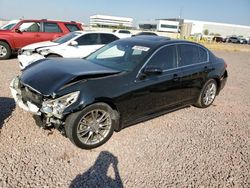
208 94
5 51
92 126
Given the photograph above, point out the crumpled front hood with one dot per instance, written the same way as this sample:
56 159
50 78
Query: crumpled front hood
39 45
47 76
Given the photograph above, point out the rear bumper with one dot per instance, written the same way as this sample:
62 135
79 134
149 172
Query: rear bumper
223 80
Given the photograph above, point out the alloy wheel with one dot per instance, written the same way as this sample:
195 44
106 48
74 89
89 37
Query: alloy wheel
3 51
94 127
209 94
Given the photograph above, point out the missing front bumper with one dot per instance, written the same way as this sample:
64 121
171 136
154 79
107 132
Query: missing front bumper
16 93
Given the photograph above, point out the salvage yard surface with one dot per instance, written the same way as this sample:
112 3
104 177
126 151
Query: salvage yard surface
190 147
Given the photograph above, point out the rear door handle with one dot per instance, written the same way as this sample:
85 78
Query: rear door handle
176 77
206 69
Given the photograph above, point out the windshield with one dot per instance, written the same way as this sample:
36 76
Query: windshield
120 55
66 38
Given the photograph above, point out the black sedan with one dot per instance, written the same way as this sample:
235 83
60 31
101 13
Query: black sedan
125 82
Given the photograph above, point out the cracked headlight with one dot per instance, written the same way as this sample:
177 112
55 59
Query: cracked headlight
44 52
57 106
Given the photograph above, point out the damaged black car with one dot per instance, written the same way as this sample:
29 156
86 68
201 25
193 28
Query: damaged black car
125 82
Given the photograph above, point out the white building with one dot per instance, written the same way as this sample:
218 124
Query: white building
198 27
171 26
103 20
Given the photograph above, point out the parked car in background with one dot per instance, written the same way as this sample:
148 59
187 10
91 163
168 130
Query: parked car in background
123 31
26 32
218 39
76 44
146 33
243 40
9 25
125 82
233 39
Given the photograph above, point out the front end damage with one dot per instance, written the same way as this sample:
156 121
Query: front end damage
49 112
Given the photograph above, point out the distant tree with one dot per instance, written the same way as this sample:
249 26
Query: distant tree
217 34
206 32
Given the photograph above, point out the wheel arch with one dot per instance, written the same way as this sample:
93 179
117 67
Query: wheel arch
109 102
7 42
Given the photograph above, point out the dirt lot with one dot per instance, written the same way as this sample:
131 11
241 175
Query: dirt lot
190 147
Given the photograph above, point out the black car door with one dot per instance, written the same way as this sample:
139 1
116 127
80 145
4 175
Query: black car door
194 65
155 92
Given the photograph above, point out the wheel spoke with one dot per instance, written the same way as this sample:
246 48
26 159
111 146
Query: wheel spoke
83 133
103 117
90 134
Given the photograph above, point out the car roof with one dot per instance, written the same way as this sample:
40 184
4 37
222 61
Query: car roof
45 20
155 41
94 32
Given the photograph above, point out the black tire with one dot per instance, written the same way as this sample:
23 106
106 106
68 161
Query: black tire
72 125
200 102
5 46
53 56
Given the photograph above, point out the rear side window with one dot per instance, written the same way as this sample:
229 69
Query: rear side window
88 39
164 58
202 55
51 27
191 54
72 27
108 38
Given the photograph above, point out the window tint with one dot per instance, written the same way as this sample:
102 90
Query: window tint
164 58
30 27
124 31
51 27
191 54
108 38
72 27
202 55
88 39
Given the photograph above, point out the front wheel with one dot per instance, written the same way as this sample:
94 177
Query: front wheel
5 51
91 127
207 94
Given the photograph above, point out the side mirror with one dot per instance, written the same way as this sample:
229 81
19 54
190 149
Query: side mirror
152 70
18 31
73 43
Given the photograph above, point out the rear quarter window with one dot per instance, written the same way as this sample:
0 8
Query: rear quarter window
72 27
108 38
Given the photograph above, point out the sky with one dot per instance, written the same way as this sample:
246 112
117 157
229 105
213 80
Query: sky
225 11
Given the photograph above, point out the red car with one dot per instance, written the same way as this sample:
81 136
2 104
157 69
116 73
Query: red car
31 31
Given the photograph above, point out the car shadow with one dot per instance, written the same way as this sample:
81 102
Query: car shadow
97 175
7 105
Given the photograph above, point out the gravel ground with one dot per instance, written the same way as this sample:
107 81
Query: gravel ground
188 148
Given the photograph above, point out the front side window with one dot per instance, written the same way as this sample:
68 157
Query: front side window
165 58
120 55
30 27
89 39
50 27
